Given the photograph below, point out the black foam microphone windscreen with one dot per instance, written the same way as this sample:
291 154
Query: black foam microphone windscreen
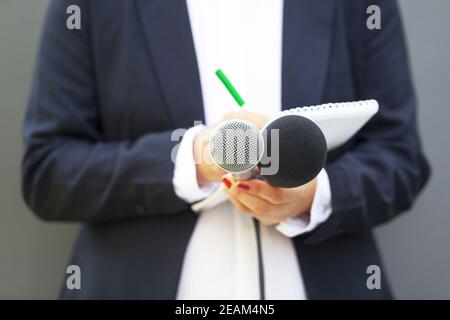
301 151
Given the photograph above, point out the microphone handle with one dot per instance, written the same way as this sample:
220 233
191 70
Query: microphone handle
246 175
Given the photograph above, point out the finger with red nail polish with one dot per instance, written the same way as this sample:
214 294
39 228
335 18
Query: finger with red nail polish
226 182
243 186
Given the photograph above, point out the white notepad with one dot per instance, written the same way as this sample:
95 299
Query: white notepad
338 121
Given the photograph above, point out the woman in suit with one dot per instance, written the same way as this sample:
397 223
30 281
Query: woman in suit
107 98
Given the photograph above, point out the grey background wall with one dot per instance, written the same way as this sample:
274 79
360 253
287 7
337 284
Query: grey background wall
33 254
415 247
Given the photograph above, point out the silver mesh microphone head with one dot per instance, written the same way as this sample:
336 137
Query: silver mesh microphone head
236 146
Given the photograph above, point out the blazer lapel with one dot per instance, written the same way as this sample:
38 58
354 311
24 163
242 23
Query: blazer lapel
307 26
169 39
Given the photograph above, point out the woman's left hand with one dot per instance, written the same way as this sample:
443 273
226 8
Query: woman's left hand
269 204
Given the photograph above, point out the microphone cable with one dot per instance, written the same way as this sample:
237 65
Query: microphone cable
262 290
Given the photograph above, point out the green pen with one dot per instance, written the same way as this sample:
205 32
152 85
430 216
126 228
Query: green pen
227 83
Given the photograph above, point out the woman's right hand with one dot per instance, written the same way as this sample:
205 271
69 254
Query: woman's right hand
207 170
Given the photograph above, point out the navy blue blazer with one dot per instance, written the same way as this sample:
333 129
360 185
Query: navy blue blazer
105 100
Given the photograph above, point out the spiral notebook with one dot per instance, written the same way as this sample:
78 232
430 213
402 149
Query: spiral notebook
338 121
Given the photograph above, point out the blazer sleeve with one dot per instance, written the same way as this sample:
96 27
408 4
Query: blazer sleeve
384 170
69 171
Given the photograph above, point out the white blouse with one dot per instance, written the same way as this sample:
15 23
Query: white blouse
244 39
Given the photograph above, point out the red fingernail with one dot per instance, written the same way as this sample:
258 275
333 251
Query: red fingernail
243 186
226 182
